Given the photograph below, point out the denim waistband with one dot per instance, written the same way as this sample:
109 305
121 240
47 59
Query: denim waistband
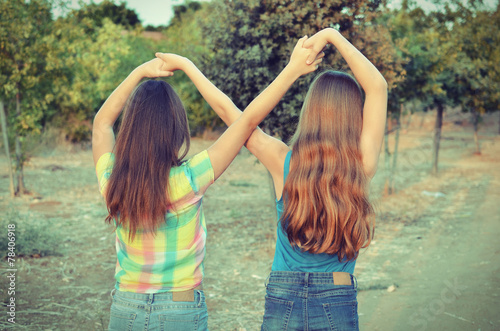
147 297
309 278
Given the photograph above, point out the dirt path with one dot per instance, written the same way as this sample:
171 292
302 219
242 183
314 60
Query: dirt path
441 254
449 280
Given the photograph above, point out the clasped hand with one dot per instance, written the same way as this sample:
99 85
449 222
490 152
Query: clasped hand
305 58
163 65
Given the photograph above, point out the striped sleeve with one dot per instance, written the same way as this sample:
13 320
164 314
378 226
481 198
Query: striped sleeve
200 172
103 170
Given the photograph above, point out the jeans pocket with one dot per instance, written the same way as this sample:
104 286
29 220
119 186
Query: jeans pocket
184 320
342 316
277 314
180 316
121 320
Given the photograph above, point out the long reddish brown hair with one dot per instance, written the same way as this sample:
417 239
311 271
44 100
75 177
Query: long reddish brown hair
152 133
326 207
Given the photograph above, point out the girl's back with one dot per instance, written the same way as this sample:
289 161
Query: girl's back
289 258
151 261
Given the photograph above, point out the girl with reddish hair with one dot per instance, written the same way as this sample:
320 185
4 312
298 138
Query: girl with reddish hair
321 185
154 196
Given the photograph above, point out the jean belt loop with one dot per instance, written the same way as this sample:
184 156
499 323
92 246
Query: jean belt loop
306 279
354 281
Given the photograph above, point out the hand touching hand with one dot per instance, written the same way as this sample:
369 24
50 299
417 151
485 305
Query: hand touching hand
172 62
154 68
300 55
317 42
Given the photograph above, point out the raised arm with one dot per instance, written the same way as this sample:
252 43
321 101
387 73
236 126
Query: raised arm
223 151
220 103
103 137
228 145
374 85
270 151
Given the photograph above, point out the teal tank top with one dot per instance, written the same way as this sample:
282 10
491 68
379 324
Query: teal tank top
288 258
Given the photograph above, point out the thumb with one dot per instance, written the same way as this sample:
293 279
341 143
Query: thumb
307 43
160 55
311 57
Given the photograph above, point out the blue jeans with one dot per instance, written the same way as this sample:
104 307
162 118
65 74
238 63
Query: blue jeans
309 301
139 311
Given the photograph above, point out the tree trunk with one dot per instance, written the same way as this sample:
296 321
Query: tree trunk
392 175
437 138
477 117
422 119
387 155
408 123
3 121
21 189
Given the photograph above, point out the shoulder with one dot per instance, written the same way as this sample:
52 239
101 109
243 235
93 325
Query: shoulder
199 171
199 162
103 169
105 160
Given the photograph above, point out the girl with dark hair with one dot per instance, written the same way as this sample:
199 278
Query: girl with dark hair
321 185
154 197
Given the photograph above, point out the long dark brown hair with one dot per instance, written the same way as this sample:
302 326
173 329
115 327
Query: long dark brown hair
153 131
326 207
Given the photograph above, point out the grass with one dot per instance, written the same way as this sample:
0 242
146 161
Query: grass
34 238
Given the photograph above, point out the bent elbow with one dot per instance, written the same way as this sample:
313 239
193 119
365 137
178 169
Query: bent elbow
382 84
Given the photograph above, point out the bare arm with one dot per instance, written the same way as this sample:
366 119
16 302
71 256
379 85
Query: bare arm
374 85
267 149
223 151
103 137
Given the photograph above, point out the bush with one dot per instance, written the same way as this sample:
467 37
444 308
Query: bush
33 237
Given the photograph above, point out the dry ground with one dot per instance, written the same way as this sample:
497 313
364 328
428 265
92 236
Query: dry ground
423 243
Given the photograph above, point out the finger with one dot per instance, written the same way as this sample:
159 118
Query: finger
303 40
320 55
316 63
312 57
299 43
308 43
160 55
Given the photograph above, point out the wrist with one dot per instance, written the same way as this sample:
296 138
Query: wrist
291 72
138 73
185 63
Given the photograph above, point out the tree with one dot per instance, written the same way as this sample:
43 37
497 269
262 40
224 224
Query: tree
477 36
431 63
83 68
118 14
5 136
455 75
185 36
252 40
22 63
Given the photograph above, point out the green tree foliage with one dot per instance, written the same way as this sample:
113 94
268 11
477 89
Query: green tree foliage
22 60
82 64
426 41
118 14
252 40
185 36
47 68
477 72
22 68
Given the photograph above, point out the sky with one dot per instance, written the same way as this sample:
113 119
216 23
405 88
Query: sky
159 12
150 12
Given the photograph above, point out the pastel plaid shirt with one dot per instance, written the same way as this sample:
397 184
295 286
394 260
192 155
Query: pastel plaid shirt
172 258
